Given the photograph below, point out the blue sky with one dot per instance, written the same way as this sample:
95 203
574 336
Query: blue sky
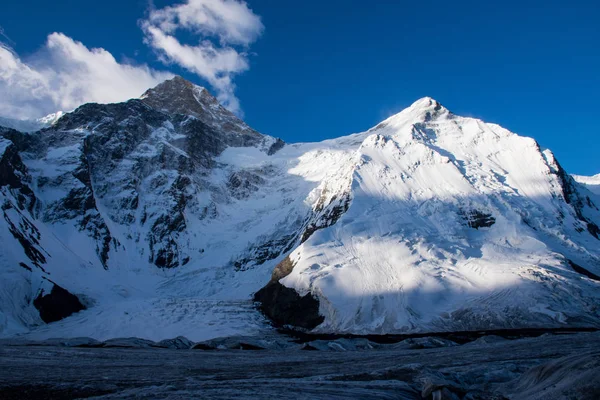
321 69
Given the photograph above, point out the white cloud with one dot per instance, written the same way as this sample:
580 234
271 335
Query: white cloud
230 22
65 74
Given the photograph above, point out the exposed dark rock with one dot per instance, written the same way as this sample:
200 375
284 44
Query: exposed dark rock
327 216
164 250
574 198
57 304
94 224
165 142
23 265
283 305
258 255
283 269
23 141
242 184
275 147
79 201
14 175
477 219
27 235
178 96
593 229
583 271
10 166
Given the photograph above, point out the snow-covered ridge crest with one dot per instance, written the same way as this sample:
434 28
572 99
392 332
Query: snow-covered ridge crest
592 183
31 125
591 180
174 212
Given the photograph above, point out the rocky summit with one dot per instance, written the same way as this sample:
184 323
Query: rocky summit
167 215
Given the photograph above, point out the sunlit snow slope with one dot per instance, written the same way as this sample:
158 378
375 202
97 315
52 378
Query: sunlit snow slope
164 215
454 224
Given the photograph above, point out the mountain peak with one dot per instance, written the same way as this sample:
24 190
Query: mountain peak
423 110
427 104
176 81
180 96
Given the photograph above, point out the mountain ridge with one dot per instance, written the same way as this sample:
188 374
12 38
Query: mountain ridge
165 215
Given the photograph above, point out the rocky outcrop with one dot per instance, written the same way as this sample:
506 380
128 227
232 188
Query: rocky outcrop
143 162
285 306
579 269
57 304
178 96
478 219
580 203
26 234
14 176
325 216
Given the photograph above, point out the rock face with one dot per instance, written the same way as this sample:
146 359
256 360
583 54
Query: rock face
284 306
169 205
57 304
116 154
178 96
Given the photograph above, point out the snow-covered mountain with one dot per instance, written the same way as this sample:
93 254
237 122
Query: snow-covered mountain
166 215
31 125
591 182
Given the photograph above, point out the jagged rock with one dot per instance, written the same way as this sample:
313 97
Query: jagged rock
26 233
583 271
572 196
14 175
327 216
178 96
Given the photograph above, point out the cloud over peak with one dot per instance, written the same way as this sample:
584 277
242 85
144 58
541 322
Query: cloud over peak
65 74
224 29
229 20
